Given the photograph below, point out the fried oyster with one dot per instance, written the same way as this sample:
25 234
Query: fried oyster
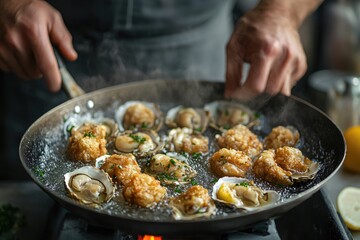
87 143
139 188
281 136
240 138
230 162
120 167
186 140
139 115
194 203
284 166
143 190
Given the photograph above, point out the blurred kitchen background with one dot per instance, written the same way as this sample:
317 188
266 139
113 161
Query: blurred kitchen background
331 38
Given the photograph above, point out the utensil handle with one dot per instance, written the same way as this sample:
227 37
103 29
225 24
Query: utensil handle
71 88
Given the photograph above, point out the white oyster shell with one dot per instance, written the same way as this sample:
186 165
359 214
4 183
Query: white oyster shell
101 160
140 143
177 138
196 119
226 114
90 185
314 168
248 196
76 122
121 111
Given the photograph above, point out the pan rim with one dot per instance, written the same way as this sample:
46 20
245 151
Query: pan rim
303 195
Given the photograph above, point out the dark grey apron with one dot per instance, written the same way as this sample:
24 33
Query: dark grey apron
133 39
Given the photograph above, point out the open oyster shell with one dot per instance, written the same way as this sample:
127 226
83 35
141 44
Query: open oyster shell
139 115
140 143
284 166
171 168
225 114
90 185
74 123
196 119
194 203
241 193
314 167
186 140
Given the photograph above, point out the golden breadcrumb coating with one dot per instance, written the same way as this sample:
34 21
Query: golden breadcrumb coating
265 167
292 159
230 162
121 167
143 190
87 143
277 166
281 136
240 138
138 115
195 199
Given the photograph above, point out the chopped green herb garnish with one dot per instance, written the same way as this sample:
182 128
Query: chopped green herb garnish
198 129
196 155
244 184
279 185
163 176
144 125
172 161
11 220
227 126
257 115
185 154
137 138
112 166
120 167
193 182
214 180
39 172
89 134
177 190
70 128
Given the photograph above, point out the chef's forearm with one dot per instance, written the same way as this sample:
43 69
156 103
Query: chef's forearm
295 10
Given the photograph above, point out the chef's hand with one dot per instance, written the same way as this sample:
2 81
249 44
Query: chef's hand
267 38
28 29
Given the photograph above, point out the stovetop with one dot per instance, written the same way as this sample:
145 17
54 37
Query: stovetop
315 218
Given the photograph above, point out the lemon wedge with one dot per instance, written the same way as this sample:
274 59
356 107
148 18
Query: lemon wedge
348 203
226 194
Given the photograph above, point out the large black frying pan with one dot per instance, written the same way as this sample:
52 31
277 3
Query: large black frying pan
42 152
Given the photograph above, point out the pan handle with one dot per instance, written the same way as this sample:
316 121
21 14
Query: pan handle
71 88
